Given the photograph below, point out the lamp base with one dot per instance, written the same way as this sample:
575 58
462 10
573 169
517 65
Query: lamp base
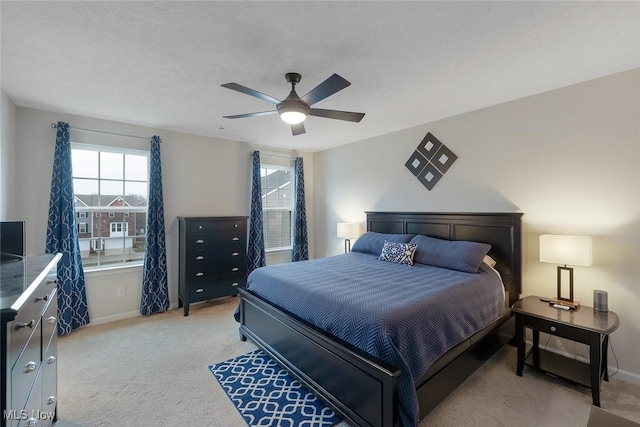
571 304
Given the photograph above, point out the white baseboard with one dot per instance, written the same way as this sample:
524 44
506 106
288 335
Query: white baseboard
120 316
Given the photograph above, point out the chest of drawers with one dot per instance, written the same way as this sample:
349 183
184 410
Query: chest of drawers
29 342
212 258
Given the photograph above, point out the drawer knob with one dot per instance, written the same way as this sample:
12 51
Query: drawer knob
51 319
199 290
199 257
199 274
199 241
30 367
234 284
199 227
51 400
44 298
235 225
553 329
51 360
235 254
235 269
30 324
236 238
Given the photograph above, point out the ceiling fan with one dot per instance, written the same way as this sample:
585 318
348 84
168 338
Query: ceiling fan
294 109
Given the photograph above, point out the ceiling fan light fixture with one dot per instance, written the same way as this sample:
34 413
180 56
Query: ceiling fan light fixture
293 117
292 110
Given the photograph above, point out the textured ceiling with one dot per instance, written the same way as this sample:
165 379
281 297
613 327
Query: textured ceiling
161 64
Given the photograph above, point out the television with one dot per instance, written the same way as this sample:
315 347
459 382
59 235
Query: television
12 240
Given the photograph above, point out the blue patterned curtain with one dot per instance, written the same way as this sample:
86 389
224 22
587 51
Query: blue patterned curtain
255 252
155 291
62 237
300 240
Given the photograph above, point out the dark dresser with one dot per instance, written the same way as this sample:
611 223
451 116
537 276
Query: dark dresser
28 299
213 252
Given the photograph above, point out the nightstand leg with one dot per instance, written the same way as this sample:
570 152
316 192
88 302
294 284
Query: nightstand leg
520 343
595 363
605 363
536 347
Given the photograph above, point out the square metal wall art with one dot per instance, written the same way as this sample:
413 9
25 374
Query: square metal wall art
430 161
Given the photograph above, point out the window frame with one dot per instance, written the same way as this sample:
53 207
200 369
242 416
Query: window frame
266 209
110 212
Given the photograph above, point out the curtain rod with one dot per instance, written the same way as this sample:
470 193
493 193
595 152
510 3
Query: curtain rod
277 157
55 125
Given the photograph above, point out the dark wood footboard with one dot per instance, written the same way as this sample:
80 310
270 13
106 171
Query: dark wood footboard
360 388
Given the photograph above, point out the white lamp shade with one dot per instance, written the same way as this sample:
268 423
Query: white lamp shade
566 250
348 230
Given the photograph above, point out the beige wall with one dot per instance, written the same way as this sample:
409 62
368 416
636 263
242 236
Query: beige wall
568 159
7 137
202 176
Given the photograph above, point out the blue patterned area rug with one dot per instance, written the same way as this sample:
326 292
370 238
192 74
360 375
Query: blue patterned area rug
266 395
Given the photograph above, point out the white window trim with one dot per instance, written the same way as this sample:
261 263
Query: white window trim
291 171
113 268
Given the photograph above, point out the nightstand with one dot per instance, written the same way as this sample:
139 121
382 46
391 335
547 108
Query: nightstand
584 325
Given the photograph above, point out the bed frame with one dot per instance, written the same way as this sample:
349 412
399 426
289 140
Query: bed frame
358 386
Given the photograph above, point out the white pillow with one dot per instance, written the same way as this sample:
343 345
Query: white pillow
489 261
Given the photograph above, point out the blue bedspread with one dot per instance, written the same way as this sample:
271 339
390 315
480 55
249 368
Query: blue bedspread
405 316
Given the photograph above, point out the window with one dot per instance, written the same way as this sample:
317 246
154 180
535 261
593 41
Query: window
277 206
110 192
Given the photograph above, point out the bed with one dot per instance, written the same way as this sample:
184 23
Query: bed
369 388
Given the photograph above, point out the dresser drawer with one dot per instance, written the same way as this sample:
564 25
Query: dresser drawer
230 241
217 287
50 322
213 226
552 328
204 255
207 271
21 328
25 371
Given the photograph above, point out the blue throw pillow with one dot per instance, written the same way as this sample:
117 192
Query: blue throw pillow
461 255
372 242
401 253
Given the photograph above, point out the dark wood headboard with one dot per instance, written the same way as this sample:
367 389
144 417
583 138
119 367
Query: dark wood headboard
501 230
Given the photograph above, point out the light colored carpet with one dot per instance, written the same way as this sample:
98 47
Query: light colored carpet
153 371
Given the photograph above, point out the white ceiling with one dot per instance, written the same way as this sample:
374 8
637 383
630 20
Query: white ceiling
161 64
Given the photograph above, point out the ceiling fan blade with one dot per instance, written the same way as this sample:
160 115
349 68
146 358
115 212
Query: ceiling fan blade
242 116
249 91
348 116
297 129
327 88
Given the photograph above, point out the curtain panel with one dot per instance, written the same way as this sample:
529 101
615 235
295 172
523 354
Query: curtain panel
300 239
155 290
62 237
256 257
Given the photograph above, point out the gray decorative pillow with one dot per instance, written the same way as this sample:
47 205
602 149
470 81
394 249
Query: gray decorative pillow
401 253
372 242
458 255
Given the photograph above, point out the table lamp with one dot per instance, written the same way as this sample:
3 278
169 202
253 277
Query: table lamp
565 250
348 231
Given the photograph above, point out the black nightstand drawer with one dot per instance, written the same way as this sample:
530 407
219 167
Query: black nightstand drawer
552 328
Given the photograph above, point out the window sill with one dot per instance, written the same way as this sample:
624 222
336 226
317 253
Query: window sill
278 251
104 271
